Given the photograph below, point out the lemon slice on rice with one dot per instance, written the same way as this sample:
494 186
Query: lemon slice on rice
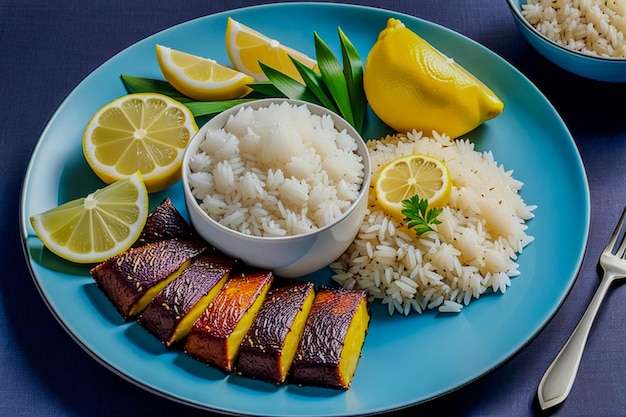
105 223
406 176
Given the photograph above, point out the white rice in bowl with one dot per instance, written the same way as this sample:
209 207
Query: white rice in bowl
472 251
592 27
276 171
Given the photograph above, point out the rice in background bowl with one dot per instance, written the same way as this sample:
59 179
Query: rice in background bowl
559 29
280 184
592 27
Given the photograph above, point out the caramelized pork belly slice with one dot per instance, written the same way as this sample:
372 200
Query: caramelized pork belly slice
217 334
163 223
268 348
132 279
170 315
333 338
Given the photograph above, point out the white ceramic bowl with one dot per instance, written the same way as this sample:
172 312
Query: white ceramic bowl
289 256
588 66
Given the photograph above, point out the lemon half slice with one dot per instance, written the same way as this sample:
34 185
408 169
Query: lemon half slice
406 176
201 78
92 229
246 47
144 132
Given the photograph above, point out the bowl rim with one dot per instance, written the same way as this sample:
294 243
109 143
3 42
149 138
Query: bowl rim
260 103
515 7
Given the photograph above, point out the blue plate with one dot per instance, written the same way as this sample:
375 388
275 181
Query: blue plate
424 355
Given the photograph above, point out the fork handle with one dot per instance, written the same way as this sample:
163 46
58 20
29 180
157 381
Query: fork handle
559 377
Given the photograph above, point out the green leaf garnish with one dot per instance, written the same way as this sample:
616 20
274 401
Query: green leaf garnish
334 78
353 73
336 87
287 85
197 108
148 85
265 89
315 84
418 216
211 108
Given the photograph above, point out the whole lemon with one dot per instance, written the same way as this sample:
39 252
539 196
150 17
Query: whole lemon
411 85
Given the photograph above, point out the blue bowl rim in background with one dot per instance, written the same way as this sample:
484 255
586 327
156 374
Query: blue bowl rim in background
610 69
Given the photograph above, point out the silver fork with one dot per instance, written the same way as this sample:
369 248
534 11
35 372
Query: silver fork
559 377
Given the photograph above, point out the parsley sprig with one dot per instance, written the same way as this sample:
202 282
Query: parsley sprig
419 216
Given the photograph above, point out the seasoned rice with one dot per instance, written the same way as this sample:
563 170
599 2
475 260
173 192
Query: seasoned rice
588 26
472 251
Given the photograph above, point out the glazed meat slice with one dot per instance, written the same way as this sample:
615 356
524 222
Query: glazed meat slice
132 279
268 348
217 334
333 338
170 315
163 223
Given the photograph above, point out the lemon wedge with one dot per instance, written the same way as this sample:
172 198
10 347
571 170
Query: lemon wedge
406 176
246 47
411 85
94 228
201 78
144 132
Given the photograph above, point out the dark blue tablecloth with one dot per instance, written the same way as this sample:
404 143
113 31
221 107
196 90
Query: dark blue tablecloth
47 48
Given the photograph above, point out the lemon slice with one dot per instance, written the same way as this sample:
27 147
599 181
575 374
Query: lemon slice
201 78
94 228
410 84
246 47
144 132
406 176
